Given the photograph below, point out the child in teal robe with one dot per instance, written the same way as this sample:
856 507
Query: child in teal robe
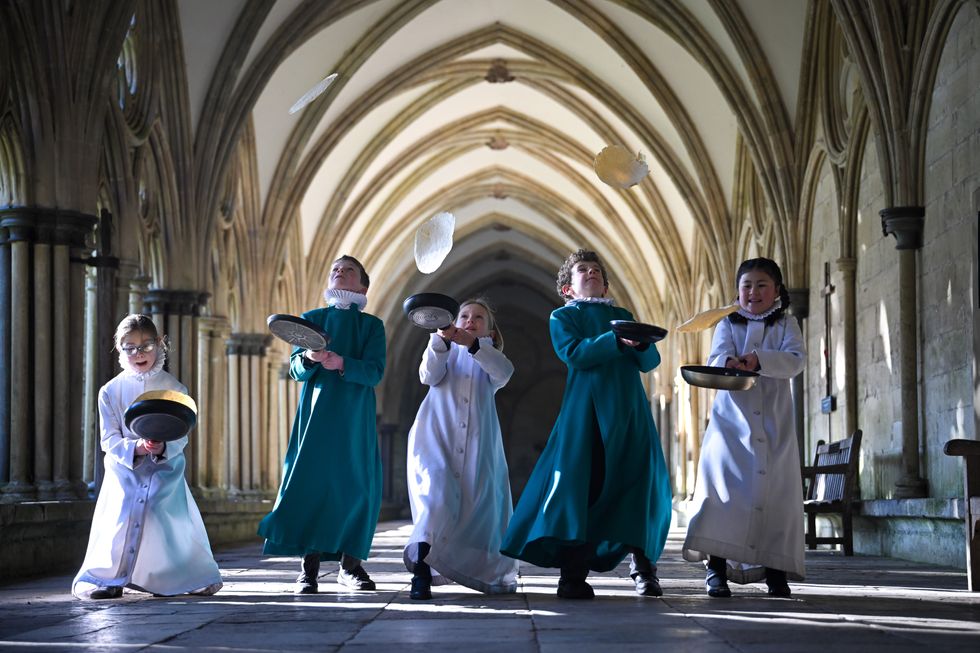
330 496
600 489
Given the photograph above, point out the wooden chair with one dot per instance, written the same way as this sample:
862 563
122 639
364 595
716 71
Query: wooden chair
970 450
831 489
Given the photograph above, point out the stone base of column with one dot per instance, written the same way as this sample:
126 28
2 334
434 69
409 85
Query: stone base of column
909 487
17 491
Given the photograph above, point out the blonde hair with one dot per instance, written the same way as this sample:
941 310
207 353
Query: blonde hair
495 334
138 322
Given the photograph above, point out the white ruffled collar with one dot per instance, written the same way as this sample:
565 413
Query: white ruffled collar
776 305
129 371
608 301
344 298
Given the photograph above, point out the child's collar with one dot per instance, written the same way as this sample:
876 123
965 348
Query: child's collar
776 305
344 298
590 300
143 376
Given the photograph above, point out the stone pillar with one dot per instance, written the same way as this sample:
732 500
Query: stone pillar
175 314
210 444
848 270
906 223
91 469
4 358
139 287
799 307
245 352
41 357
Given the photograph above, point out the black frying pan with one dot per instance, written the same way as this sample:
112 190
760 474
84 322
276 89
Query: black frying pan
162 415
298 332
638 331
431 310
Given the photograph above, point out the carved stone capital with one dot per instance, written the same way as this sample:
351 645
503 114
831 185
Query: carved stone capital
248 344
905 223
47 225
175 302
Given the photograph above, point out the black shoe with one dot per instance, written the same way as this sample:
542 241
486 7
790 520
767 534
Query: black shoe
421 588
575 589
776 581
356 578
306 583
647 584
716 583
112 592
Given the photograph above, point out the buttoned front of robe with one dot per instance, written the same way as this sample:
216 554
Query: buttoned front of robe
748 499
603 390
147 532
457 473
330 495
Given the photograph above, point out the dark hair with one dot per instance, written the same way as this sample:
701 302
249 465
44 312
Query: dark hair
365 279
141 323
771 269
565 271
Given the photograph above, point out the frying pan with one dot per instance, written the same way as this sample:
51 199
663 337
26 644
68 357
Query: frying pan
162 415
718 378
638 331
431 310
298 332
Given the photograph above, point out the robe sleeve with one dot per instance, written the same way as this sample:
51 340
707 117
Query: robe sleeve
577 351
497 366
787 361
121 448
646 359
435 361
722 345
368 369
298 369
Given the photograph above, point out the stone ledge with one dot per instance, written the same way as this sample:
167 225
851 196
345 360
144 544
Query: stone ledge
912 508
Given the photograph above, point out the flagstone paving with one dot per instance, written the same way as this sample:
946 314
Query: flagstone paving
859 603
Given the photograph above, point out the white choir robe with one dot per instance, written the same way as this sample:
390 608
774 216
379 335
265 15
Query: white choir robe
458 479
147 532
748 498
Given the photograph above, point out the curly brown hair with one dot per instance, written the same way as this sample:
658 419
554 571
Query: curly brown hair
565 271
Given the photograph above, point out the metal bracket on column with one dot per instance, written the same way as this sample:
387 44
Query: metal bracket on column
905 223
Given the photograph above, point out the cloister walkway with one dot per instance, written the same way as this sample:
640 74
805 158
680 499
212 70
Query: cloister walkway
862 603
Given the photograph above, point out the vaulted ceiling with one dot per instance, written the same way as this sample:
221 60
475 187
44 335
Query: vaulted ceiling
494 110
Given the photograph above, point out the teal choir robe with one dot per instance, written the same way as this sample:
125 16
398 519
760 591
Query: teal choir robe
603 390
330 495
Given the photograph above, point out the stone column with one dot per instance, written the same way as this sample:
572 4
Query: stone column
4 358
19 486
211 447
906 223
848 270
175 314
246 403
234 424
91 470
40 354
139 287
799 307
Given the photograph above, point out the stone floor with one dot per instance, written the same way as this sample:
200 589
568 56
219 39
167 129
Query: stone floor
847 604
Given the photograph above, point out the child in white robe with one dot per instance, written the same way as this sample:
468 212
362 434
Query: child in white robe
147 533
457 473
748 521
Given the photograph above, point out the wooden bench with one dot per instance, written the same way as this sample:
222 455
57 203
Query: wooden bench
831 484
970 450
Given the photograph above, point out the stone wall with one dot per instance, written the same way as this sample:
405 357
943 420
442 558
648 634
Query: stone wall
947 284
